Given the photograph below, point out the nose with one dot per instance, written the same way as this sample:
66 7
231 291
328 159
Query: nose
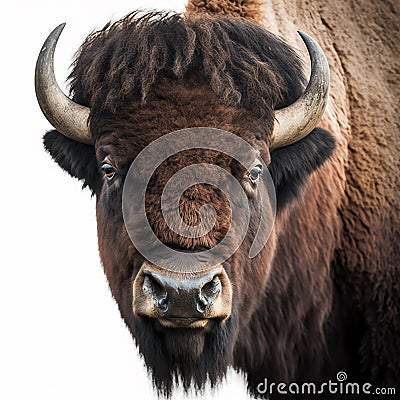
185 297
182 299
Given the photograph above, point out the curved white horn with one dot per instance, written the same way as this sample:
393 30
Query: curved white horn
68 117
296 121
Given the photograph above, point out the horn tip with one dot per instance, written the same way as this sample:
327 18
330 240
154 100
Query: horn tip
303 35
58 29
61 26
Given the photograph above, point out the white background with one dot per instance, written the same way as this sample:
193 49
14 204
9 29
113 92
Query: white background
61 333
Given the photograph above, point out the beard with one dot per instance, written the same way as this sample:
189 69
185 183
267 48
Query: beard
192 357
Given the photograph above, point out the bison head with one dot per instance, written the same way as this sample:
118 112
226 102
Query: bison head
133 83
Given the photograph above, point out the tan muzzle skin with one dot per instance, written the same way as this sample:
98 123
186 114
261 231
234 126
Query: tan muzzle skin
182 300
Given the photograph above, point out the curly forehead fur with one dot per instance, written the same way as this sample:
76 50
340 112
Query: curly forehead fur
241 62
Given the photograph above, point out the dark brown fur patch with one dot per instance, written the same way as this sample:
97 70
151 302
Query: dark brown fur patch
242 63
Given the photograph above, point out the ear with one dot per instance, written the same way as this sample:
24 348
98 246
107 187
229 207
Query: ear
78 159
291 165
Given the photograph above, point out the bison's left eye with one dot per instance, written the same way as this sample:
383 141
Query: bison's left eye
109 171
254 173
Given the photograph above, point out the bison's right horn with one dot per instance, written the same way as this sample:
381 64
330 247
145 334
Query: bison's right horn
69 118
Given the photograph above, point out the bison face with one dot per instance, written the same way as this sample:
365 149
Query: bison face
186 324
181 320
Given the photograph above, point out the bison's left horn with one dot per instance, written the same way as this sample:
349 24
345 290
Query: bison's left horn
296 121
68 117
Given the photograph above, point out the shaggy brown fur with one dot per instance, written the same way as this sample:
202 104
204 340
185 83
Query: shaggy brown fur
323 295
362 49
248 9
139 49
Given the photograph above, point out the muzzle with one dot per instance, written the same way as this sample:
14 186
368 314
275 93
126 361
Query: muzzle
182 300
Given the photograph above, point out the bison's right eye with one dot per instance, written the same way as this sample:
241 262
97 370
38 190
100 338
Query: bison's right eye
108 170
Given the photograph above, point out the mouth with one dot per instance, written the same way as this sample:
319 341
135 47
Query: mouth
179 322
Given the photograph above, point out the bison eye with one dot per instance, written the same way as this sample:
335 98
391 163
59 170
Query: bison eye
108 170
254 173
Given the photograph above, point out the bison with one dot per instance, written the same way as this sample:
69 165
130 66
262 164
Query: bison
322 295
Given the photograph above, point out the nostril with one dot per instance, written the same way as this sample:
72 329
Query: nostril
162 303
211 289
157 293
208 293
